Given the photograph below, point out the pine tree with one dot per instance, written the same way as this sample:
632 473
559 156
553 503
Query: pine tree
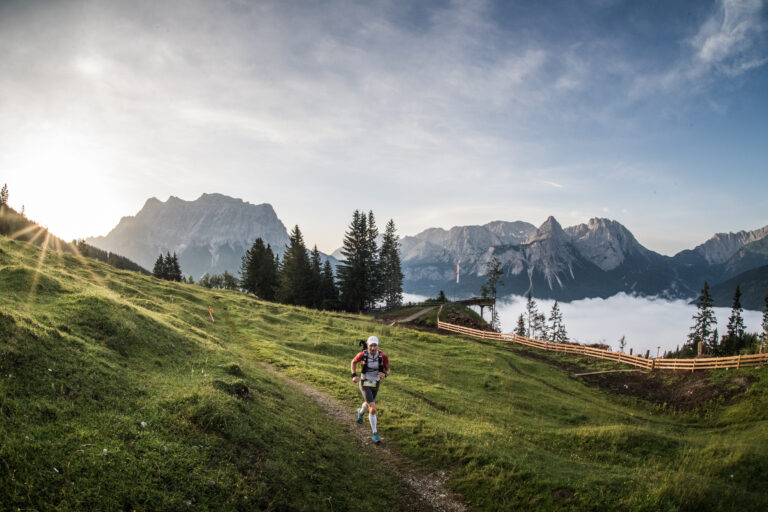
556 328
228 281
702 330
622 344
734 336
258 271
391 270
375 288
490 288
540 327
294 276
4 195
764 324
520 329
356 273
174 270
316 278
531 312
330 294
159 269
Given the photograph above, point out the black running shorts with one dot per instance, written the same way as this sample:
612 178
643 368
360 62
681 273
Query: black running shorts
369 392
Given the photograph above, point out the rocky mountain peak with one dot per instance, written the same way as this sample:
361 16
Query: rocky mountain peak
551 229
604 242
722 246
209 234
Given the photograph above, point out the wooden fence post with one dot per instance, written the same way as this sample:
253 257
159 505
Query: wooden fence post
738 362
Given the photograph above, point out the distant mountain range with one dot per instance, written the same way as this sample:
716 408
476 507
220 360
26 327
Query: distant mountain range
596 259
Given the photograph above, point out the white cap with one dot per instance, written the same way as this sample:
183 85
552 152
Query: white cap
373 339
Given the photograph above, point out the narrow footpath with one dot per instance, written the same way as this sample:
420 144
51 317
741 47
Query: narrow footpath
430 487
413 316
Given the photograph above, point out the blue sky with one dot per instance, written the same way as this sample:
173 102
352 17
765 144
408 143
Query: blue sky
651 113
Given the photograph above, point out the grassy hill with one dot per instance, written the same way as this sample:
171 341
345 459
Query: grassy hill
118 392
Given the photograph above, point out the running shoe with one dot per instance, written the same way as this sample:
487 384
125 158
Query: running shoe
376 438
359 416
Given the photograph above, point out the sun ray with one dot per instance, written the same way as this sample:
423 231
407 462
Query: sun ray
85 260
40 262
23 231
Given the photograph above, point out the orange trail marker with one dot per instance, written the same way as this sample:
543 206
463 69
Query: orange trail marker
210 312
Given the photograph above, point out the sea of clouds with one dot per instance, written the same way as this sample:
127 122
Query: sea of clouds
647 323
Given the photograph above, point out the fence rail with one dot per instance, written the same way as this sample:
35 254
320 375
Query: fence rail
709 363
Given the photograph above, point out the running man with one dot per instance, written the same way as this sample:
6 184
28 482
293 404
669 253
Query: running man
375 367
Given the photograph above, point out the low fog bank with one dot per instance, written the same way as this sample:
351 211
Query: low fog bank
646 322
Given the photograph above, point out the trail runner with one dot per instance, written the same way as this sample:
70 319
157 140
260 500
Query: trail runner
375 367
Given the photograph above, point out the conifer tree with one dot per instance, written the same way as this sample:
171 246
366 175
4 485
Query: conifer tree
4 195
531 312
734 336
159 269
316 278
391 270
330 294
228 281
294 277
520 329
174 270
557 330
356 273
540 327
374 274
258 271
490 288
764 324
702 330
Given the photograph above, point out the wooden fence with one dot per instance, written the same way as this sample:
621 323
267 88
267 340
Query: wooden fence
709 363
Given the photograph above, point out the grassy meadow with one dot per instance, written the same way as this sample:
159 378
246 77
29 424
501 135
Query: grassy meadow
117 392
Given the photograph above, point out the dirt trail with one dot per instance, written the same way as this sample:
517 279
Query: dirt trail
428 486
413 316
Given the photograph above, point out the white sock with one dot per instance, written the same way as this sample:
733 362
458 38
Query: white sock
372 419
362 408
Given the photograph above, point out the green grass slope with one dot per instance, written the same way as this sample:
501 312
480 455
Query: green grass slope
88 353
117 393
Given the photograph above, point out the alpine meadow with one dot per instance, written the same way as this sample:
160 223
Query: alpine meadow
119 392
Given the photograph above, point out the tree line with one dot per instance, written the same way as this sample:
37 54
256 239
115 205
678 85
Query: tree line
368 275
705 339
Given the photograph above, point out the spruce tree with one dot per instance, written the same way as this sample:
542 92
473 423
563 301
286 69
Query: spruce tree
490 288
4 195
316 278
391 270
531 312
354 272
734 336
228 281
557 330
764 324
294 276
258 271
702 330
330 294
159 269
520 329
174 270
373 270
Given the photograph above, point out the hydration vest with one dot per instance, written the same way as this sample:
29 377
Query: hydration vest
366 356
